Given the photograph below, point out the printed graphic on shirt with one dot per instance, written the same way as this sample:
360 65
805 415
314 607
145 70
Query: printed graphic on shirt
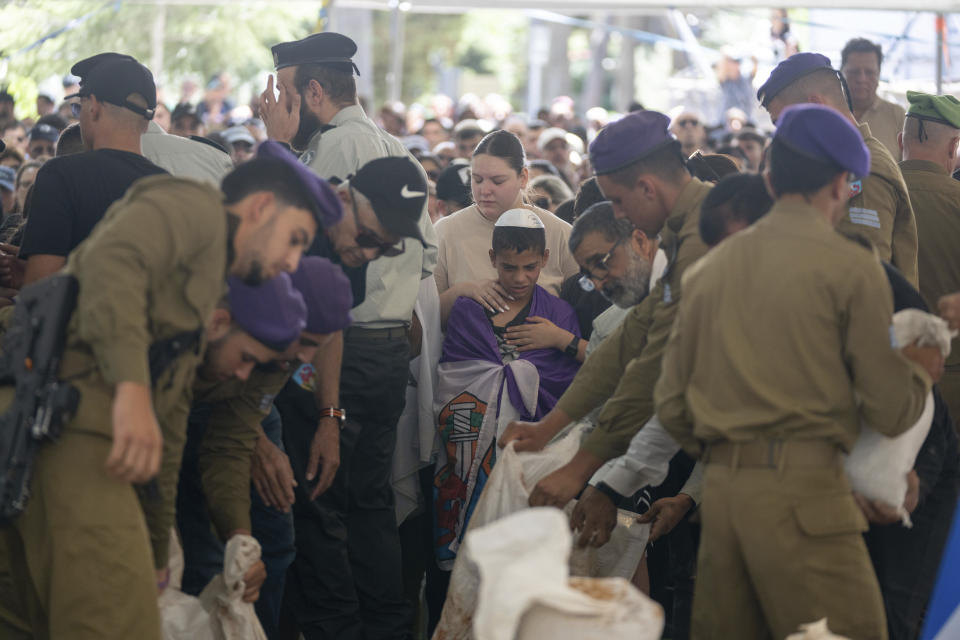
306 377
866 217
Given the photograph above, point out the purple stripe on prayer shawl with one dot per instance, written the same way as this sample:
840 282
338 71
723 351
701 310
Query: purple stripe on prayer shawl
470 337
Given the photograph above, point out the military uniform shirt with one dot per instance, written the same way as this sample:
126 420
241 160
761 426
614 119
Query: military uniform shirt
153 268
237 407
392 283
880 210
886 121
784 332
935 196
625 367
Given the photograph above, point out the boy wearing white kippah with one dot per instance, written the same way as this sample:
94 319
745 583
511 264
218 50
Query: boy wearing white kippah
486 377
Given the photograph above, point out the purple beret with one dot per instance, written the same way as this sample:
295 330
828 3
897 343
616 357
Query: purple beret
326 208
273 312
629 139
326 291
823 134
789 71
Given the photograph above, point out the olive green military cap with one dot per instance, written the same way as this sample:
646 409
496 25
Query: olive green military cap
943 109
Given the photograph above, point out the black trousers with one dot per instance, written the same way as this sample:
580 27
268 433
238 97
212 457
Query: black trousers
346 581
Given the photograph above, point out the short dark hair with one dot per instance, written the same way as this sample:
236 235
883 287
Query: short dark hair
55 120
338 84
794 172
666 162
739 196
599 218
266 174
565 211
588 195
861 45
503 144
519 239
711 167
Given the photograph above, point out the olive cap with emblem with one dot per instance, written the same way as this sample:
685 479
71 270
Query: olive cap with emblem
111 77
628 140
821 133
328 48
789 71
943 109
326 207
273 312
397 191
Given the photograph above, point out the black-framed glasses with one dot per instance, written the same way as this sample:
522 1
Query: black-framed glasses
587 275
367 239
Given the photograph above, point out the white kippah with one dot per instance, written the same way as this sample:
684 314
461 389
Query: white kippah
523 218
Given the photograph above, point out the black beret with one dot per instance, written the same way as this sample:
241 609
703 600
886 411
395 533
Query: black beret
333 49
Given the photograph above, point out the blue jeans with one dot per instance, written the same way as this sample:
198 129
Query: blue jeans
202 549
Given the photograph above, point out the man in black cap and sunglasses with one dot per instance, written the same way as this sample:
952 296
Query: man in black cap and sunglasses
114 105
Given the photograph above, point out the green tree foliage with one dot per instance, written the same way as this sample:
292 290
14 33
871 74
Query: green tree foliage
202 39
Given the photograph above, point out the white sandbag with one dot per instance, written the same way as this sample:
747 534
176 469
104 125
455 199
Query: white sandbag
508 491
878 466
182 617
223 597
526 592
815 631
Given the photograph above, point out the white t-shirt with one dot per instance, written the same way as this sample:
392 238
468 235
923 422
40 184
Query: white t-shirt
467 236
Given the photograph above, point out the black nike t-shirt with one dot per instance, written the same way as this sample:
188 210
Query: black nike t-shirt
72 193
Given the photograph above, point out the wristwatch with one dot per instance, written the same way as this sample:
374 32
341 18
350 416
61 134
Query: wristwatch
573 348
334 412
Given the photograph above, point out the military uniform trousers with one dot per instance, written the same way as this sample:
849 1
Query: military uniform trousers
78 557
346 580
782 545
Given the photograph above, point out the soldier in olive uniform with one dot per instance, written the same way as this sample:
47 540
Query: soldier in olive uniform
641 171
929 141
152 270
780 348
234 436
879 207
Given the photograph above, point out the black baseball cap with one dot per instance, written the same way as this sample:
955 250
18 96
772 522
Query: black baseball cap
112 77
397 191
453 183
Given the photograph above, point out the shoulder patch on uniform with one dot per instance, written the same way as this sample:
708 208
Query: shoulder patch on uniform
266 400
856 188
866 217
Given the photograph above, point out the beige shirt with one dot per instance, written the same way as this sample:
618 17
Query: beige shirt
465 240
886 121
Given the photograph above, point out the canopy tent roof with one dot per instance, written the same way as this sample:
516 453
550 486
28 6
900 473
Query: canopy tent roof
633 6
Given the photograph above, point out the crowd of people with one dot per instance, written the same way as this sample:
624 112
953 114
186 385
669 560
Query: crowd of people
296 324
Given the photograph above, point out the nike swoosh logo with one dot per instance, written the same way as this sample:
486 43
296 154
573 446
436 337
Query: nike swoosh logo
406 193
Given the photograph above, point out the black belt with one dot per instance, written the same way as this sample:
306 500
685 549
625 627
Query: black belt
362 333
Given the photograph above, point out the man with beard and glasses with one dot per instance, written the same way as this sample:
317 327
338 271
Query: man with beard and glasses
346 580
149 277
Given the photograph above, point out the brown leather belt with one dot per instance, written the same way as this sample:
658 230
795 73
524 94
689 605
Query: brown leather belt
773 454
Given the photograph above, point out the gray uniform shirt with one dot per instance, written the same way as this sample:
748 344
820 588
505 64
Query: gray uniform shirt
392 283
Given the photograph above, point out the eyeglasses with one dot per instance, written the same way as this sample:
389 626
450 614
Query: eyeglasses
367 239
587 276
688 122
